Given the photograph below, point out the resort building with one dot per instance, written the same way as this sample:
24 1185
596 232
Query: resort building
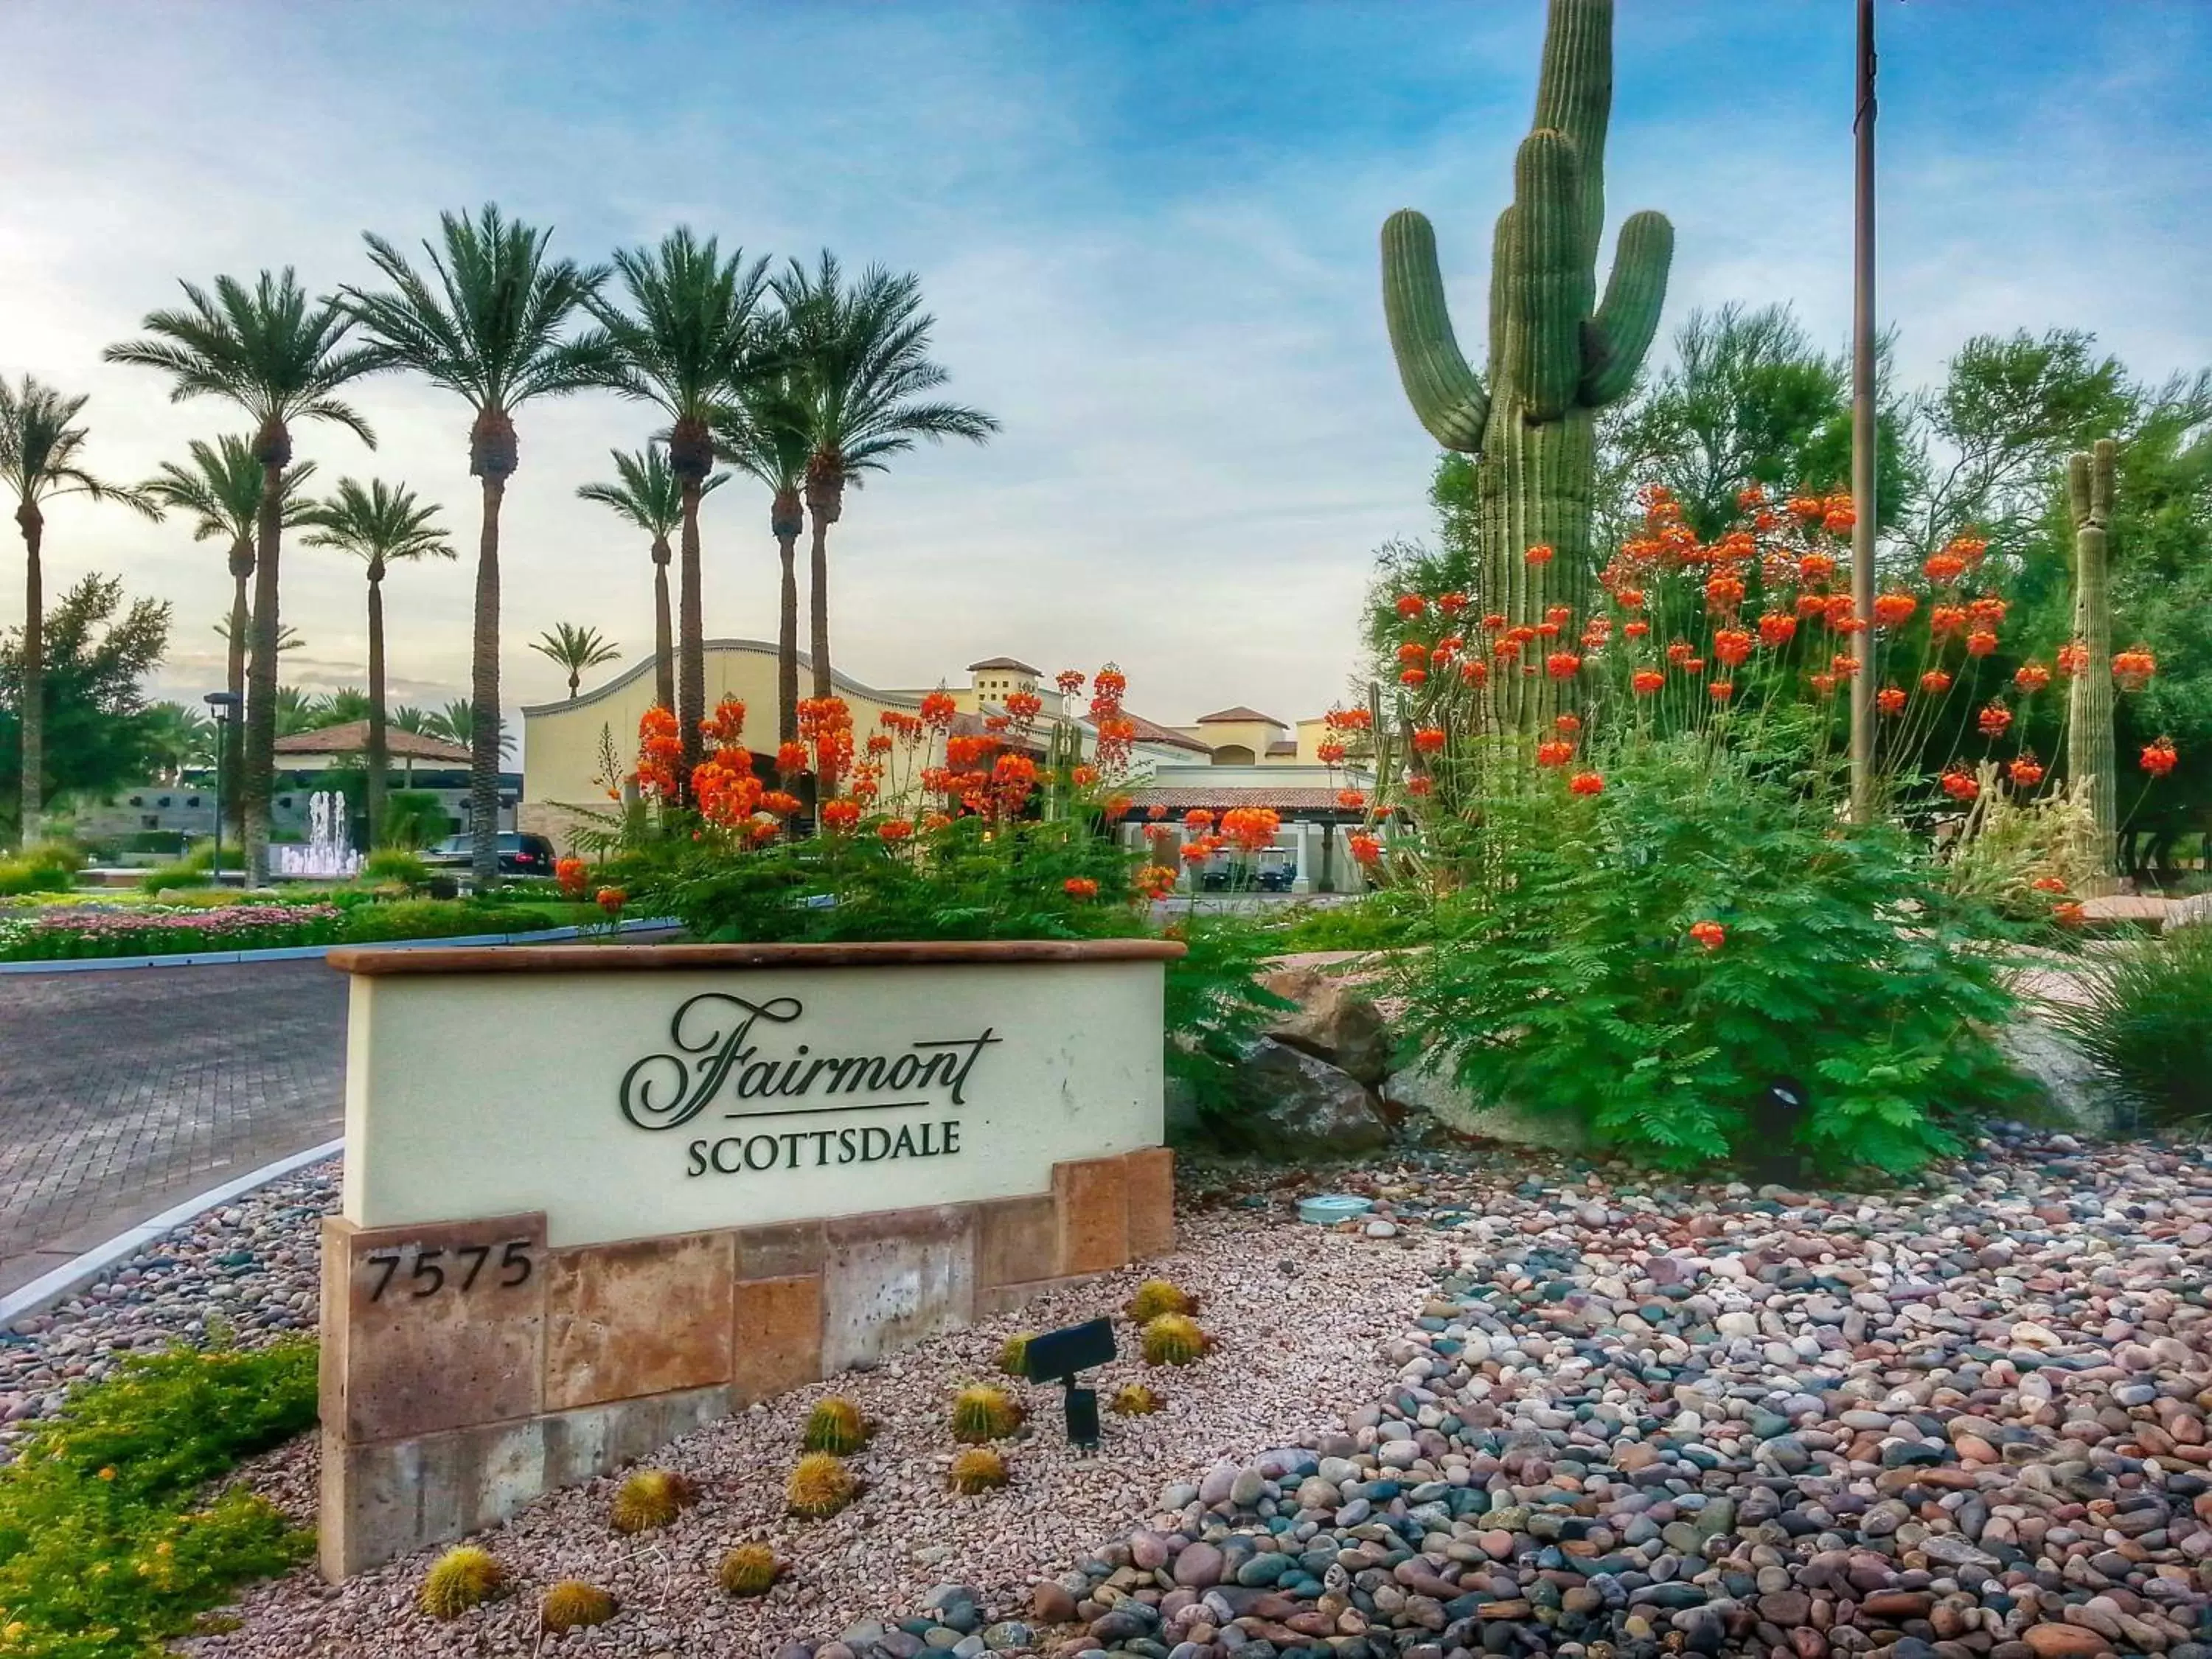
577 750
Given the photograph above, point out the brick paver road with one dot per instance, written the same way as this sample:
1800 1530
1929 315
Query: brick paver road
123 1093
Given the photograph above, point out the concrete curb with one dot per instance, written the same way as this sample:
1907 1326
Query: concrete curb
74 1274
305 952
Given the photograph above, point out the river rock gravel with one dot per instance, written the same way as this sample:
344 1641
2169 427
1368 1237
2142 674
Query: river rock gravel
1528 1405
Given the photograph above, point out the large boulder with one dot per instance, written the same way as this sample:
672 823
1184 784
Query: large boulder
1427 1085
1333 1019
2073 1091
1298 1105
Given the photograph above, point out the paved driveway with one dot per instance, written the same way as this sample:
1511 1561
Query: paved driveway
123 1092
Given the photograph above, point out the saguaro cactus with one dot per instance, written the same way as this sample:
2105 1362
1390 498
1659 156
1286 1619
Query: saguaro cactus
2091 764
1557 353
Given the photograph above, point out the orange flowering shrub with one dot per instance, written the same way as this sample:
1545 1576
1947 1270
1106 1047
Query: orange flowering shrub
573 875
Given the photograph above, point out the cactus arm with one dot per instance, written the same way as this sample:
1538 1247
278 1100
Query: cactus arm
1617 338
1574 95
2077 492
1548 287
2102 467
1447 395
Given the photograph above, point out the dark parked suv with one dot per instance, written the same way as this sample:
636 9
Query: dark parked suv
518 854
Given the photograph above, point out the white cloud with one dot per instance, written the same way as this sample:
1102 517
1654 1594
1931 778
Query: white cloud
1204 436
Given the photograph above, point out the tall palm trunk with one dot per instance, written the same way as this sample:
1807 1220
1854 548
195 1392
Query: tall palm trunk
34 716
272 447
691 672
241 625
825 500
785 522
492 459
663 635
378 759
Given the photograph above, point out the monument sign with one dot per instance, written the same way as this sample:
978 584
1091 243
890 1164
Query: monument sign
597 1196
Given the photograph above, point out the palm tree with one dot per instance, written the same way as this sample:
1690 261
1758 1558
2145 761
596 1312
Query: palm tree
763 434
648 496
688 341
575 648
300 710
222 489
177 737
417 722
39 460
457 723
487 326
859 362
280 357
381 524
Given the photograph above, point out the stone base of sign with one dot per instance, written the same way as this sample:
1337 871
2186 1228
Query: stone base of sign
546 1367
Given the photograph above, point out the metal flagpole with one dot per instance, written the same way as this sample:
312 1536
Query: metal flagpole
1862 425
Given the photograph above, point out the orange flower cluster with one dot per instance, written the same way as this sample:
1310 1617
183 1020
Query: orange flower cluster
1156 881
1069 681
2025 770
1351 800
2158 758
1117 732
1995 719
573 874
1644 681
938 710
1586 783
1252 828
1959 784
1428 740
1079 888
2031 676
1364 849
2073 658
891 831
1710 934
1890 699
659 752
1024 706
2132 668
610 900
841 815
1934 682
825 724
1540 555
1890 609
1555 752
1562 664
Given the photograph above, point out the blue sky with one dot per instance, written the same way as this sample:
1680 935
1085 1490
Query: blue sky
1148 232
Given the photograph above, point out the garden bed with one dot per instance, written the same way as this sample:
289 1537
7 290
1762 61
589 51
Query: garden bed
1967 1414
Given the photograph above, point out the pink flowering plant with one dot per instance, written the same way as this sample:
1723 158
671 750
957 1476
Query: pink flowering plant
64 933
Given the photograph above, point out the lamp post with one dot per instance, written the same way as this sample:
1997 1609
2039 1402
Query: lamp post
223 705
1863 431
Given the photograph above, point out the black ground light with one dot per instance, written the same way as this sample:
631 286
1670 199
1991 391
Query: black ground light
1057 1356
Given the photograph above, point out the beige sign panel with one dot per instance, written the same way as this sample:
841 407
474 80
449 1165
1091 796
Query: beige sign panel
629 1104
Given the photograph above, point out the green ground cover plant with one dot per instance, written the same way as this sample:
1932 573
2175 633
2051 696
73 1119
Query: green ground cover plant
111 1538
1650 958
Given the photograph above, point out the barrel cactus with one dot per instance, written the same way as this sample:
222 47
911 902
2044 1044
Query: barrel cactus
1156 1296
981 1413
748 1570
1174 1339
978 1469
836 1426
1135 1399
1557 352
650 1498
2091 762
1013 1355
461 1578
572 1604
820 1486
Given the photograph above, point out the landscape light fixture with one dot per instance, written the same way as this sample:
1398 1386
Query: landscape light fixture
1057 1356
223 705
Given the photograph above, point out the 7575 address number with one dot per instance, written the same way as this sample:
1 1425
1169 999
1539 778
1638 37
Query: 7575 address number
431 1274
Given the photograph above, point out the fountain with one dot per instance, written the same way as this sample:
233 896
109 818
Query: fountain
328 855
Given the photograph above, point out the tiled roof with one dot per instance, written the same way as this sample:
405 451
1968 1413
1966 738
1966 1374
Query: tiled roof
1283 746
1237 716
352 738
1181 798
1011 664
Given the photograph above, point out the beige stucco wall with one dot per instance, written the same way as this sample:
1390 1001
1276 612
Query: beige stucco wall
1255 735
476 1095
560 740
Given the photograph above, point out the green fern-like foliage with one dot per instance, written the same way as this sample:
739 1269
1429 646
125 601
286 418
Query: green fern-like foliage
1013 1352
981 1413
1567 981
650 1498
1174 1339
820 1485
978 1469
1156 1296
835 1425
1135 1399
461 1579
748 1570
2143 1016
572 1604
